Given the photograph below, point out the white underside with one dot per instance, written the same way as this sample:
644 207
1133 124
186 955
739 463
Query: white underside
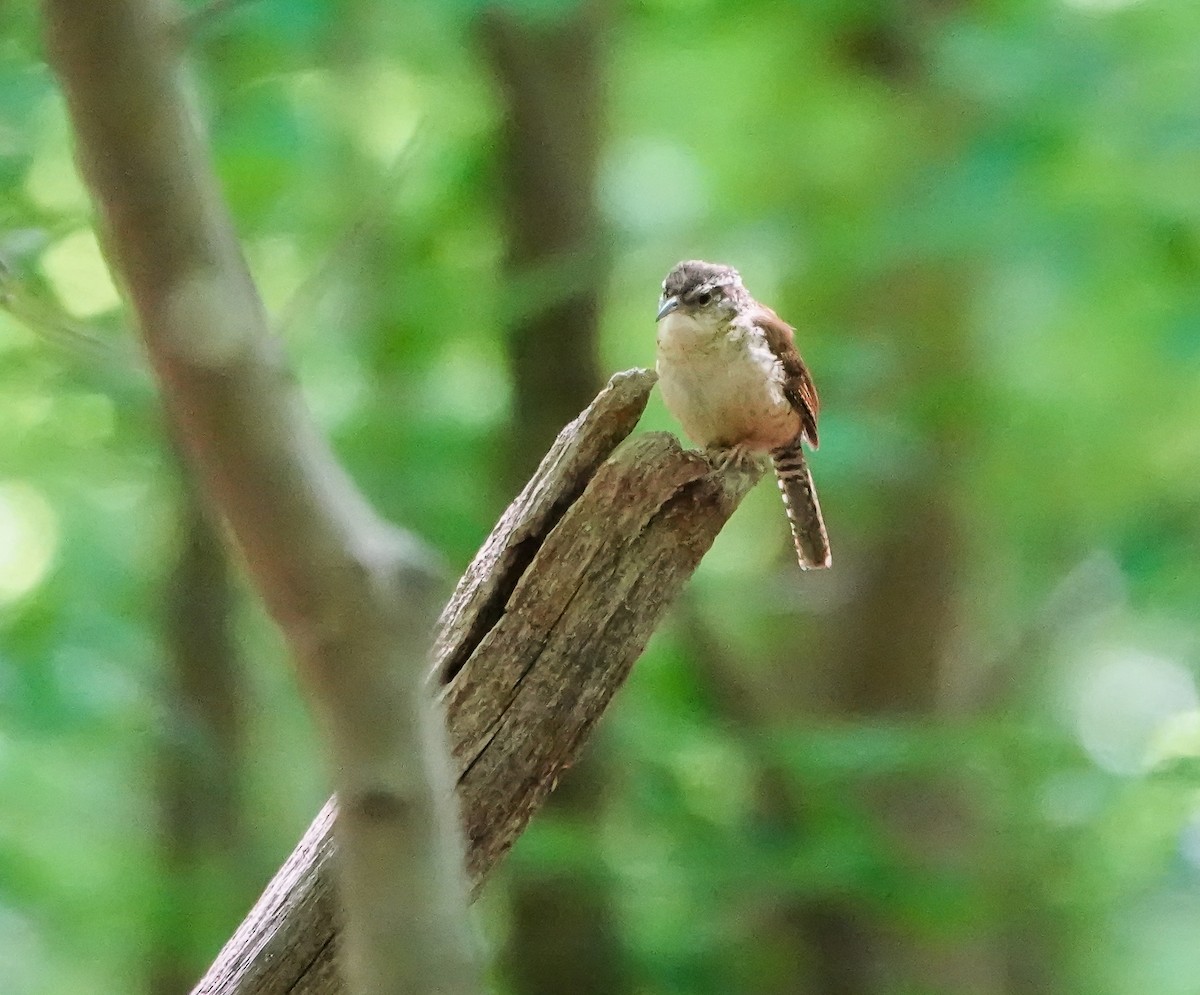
724 387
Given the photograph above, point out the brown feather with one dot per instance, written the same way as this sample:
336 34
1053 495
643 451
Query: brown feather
803 508
798 386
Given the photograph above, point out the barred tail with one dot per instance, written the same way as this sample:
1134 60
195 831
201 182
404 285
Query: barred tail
803 509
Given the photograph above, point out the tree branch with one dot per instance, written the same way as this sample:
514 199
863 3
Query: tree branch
352 594
542 630
205 330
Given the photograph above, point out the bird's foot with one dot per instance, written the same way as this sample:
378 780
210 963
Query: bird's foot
739 457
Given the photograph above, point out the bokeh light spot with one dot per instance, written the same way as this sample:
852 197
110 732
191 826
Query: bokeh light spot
77 271
52 181
650 186
1123 705
28 539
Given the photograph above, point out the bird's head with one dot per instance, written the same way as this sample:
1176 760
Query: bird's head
702 290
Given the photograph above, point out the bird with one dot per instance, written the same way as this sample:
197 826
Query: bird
730 374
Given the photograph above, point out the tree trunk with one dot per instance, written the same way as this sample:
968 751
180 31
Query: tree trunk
200 757
564 934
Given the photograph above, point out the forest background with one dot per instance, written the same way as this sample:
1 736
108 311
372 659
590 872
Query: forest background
962 761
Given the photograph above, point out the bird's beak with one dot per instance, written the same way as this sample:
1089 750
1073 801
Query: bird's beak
666 307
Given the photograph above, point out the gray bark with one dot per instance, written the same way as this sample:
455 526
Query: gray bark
352 594
543 629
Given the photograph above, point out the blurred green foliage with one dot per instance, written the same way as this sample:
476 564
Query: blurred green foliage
984 219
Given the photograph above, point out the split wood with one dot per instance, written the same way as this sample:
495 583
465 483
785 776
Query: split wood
542 630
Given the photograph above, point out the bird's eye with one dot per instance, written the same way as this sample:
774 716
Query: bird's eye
703 298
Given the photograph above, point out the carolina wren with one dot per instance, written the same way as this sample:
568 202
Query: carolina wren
730 373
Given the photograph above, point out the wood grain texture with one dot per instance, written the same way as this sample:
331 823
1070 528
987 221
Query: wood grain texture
543 629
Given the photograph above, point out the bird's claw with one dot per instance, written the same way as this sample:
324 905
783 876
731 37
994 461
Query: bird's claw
739 458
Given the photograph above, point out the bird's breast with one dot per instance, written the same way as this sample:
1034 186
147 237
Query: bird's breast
723 384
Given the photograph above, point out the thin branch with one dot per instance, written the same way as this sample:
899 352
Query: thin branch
366 219
57 329
542 630
352 594
204 325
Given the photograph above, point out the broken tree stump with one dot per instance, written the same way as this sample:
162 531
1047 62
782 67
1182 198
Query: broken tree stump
541 631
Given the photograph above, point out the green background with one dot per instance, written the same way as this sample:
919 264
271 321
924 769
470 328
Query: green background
962 761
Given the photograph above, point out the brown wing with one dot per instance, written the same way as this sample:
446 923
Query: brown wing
798 387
